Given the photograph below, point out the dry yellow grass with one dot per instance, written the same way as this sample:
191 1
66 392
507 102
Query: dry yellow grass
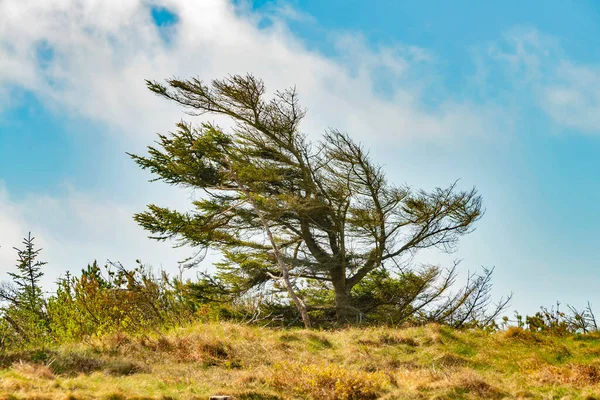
430 362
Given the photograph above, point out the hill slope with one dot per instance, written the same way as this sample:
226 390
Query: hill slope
254 363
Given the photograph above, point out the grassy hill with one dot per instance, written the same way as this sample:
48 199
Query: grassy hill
254 363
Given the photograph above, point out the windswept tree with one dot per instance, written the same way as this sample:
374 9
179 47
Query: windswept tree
333 216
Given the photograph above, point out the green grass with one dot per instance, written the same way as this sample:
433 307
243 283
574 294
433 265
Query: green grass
428 362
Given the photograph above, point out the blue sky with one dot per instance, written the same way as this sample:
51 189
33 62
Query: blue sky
504 96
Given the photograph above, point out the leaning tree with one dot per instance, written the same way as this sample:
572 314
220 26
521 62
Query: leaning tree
279 206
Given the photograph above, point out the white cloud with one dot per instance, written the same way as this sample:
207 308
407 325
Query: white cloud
566 90
89 59
574 99
524 50
102 51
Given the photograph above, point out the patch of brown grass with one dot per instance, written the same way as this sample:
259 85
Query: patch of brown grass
572 374
462 384
12 385
477 386
389 339
450 360
328 381
123 368
189 348
515 332
32 370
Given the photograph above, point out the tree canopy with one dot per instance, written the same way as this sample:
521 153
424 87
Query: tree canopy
335 218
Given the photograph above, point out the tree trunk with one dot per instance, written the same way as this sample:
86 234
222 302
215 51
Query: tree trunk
285 275
345 313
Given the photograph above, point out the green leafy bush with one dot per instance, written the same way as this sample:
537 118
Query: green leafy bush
112 299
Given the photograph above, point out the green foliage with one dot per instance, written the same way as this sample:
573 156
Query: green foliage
24 315
27 277
103 300
334 215
412 297
556 322
112 299
214 302
392 299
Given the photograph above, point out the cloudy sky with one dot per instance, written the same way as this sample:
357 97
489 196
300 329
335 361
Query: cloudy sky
503 96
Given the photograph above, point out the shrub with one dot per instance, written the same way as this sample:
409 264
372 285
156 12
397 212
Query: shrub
556 322
115 299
